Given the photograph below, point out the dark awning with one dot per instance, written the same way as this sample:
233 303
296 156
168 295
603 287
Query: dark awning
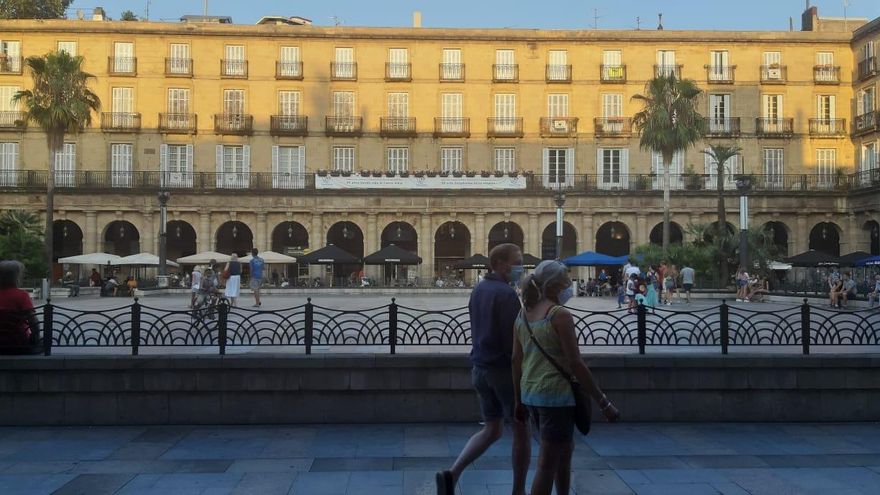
477 261
852 258
813 258
328 255
392 255
530 261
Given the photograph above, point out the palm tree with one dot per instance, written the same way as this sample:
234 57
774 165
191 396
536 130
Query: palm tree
668 123
721 154
60 102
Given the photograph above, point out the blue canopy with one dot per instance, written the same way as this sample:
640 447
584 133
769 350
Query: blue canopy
872 261
590 258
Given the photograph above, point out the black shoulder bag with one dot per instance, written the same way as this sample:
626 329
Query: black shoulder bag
583 406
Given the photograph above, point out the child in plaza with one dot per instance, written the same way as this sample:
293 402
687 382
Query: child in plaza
621 295
631 292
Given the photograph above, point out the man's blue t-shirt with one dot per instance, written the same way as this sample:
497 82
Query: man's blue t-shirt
257 267
493 309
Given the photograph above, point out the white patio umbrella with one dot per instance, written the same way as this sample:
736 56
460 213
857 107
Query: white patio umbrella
142 259
271 258
202 258
778 265
90 259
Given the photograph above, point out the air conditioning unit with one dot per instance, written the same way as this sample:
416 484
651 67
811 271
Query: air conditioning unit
560 125
774 73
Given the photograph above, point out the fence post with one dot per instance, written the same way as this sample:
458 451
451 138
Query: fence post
392 325
135 327
641 314
310 325
223 315
725 326
48 317
805 327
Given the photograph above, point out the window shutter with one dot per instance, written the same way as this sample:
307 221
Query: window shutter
275 160
301 166
832 103
709 168
545 165
246 158
599 178
569 167
219 159
189 158
624 162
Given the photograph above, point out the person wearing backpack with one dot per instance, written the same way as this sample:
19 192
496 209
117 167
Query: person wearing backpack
545 356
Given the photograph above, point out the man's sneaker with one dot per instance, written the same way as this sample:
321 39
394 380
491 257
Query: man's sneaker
444 483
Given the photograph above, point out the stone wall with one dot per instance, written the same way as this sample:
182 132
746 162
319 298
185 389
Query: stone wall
75 390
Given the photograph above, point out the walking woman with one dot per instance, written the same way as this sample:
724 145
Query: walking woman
543 394
233 279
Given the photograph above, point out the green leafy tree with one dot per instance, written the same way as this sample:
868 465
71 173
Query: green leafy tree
22 240
60 102
668 123
721 154
33 9
128 16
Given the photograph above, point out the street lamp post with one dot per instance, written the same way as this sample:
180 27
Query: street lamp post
560 202
163 196
743 185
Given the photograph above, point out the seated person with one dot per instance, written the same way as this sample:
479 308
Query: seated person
835 286
848 290
71 283
111 286
18 323
95 279
132 285
285 284
874 295
756 290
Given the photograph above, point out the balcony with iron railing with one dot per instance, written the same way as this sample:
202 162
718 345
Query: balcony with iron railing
502 73
10 65
235 124
288 125
866 122
559 126
397 126
612 73
720 74
723 127
827 127
178 123
779 128
774 74
289 70
122 66
867 68
452 72
452 127
234 69
342 126
505 127
13 121
557 73
120 122
343 71
668 70
398 72
178 67
612 126
826 74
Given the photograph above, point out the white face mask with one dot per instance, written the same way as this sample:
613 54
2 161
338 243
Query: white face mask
566 295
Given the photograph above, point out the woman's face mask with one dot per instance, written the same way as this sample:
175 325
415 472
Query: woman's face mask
516 273
566 295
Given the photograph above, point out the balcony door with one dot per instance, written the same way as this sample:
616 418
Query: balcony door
504 65
612 165
451 68
450 112
180 59
825 113
233 166
558 167
719 113
234 60
289 59
665 62
612 111
176 165
65 166
8 164
731 169
557 105
122 107
558 62
398 58
344 60
505 113
719 66
123 57
675 170
288 103
288 167
121 160
772 113
773 167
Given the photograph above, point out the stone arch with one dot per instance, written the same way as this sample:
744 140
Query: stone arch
548 241
234 237
67 239
452 243
676 234
779 234
871 228
121 238
506 232
613 239
402 235
825 237
180 239
290 238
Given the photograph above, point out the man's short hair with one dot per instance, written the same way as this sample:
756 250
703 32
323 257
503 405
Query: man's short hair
502 253
254 252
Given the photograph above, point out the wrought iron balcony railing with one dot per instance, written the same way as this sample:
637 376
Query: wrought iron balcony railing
612 126
867 68
343 126
827 127
559 126
397 126
179 67
178 123
612 73
289 70
826 74
500 127
122 66
766 127
867 122
234 69
15 121
395 71
239 124
723 127
668 70
505 73
289 125
720 74
774 74
120 122
452 127
452 72
343 71
557 73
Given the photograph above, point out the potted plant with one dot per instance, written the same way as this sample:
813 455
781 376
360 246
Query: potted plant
377 173
390 173
365 173
643 182
432 173
691 179
512 173
457 173
404 173
840 179
485 173
346 173
335 173
419 173
322 173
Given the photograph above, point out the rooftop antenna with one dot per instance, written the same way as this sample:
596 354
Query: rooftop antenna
660 24
336 20
638 23
596 18
147 11
206 8
846 3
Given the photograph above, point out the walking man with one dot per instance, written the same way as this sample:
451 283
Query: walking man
687 281
493 309
256 276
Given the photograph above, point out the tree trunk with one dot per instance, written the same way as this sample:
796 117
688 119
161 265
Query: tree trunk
667 162
722 224
55 142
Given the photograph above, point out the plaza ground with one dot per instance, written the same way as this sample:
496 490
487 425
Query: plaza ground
680 459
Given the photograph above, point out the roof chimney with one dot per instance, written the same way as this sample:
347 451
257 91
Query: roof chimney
417 19
810 18
99 15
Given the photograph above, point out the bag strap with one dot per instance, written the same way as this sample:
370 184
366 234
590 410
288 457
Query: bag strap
555 364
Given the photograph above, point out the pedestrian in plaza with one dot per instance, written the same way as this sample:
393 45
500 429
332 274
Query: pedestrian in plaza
669 285
651 297
95 279
661 280
256 275
742 285
493 309
196 278
545 355
688 275
846 292
275 278
110 286
233 279
72 284
621 295
631 292
874 295
18 323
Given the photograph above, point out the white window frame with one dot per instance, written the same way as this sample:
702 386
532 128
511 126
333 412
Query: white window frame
397 158
233 166
343 158
234 102
451 158
123 57
343 60
398 63
12 49
70 47
558 166
505 112
289 102
234 60
451 70
612 65
773 161
451 112
6 103
121 164
557 105
731 169
9 153
612 168
65 166
505 64
289 57
665 62
398 105
288 167
504 158
826 166
719 66
557 65
719 112
180 61
772 62
176 165
676 169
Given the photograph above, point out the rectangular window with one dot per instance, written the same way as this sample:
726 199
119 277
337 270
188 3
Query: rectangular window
719 113
771 111
865 101
451 158
398 159
505 66
343 158
505 112
612 164
612 112
178 101
398 63
6 103
68 47
731 169
65 166
289 62
719 66
233 101
288 167
451 68
557 105
122 108
825 113
12 50
180 61
343 64
123 58
869 159
398 105
233 166
343 104
121 158
176 165
288 102
773 167
868 50
557 65
772 66
665 62
826 166
675 170
612 66
825 59
234 63
505 159
558 166
8 164
450 112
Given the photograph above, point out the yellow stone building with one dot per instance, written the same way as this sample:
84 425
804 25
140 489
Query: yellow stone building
442 141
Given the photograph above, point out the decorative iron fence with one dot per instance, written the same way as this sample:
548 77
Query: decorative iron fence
391 326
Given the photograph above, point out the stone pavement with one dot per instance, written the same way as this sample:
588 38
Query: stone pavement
680 459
